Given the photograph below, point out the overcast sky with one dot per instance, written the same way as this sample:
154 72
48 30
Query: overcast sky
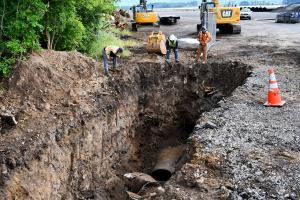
134 2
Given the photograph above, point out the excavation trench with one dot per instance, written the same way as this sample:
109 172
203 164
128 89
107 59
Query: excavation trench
170 100
139 121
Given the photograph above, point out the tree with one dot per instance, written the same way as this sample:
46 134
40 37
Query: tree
63 29
72 24
27 25
20 30
21 25
91 12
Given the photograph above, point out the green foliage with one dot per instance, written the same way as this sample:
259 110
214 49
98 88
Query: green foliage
91 13
63 27
5 66
21 28
21 25
28 25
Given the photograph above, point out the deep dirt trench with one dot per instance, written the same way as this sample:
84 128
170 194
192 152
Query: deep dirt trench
94 131
171 99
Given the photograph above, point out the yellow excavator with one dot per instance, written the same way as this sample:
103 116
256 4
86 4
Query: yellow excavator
226 17
143 15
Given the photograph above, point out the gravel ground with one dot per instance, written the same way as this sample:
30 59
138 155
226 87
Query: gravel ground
256 148
260 145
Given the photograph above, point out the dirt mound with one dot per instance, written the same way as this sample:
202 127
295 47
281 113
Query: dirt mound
47 84
49 73
43 93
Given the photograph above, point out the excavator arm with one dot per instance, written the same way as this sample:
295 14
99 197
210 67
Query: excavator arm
217 3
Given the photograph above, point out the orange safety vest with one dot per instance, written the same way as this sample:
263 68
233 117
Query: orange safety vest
204 38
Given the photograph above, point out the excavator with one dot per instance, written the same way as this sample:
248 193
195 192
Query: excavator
143 15
226 17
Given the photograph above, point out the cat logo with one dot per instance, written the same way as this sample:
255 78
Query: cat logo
226 13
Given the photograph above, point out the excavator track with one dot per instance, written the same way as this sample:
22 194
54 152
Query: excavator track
229 28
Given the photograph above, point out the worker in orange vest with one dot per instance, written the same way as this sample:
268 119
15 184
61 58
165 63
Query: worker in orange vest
204 38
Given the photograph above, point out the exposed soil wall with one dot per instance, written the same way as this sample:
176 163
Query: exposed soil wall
78 131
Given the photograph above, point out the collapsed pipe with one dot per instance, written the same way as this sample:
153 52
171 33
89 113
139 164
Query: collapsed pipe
137 181
167 162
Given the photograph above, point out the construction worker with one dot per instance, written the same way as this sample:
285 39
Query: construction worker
110 53
204 38
172 44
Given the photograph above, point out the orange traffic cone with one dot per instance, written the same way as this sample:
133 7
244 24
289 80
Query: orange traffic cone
274 98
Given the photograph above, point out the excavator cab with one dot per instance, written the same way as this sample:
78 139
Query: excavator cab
143 15
226 17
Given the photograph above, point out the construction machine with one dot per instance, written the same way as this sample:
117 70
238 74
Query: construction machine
143 15
226 17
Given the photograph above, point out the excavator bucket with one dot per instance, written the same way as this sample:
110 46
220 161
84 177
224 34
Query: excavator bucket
157 43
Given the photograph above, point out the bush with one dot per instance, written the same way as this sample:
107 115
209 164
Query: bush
5 66
28 25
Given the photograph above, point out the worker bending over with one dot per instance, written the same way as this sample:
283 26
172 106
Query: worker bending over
172 44
204 38
110 53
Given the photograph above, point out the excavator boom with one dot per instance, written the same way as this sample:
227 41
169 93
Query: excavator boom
217 3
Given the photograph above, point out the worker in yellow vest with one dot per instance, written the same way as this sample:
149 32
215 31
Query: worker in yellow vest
204 38
110 53
172 44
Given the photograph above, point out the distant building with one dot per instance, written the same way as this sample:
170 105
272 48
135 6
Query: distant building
287 2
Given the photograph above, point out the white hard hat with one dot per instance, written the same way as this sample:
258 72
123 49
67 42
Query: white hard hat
172 37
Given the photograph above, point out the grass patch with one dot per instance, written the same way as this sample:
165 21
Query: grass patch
111 37
119 32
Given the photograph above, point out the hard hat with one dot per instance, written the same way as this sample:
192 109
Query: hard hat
120 50
172 37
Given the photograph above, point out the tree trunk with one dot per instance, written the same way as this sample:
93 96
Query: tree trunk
2 19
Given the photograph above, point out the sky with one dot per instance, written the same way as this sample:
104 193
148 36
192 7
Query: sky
135 2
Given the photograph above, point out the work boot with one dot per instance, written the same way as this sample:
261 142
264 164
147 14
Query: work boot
177 60
168 60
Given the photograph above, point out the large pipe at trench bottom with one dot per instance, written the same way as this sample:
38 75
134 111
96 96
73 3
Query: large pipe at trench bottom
167 162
